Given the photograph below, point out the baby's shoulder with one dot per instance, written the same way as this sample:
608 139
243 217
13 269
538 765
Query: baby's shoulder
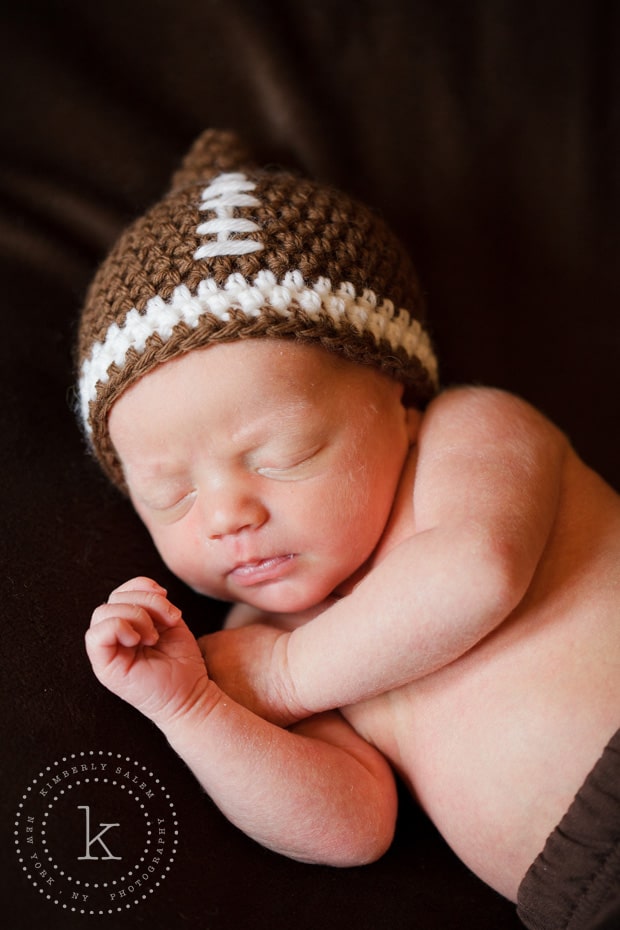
486 414
479 402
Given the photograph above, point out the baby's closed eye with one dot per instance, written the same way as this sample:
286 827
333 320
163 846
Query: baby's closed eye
286 464
170 508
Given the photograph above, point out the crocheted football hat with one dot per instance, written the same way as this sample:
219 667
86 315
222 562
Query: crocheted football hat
235 252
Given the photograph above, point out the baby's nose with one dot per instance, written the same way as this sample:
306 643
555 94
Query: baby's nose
233 512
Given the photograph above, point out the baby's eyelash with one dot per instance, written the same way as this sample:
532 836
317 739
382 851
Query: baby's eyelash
293 465
172 509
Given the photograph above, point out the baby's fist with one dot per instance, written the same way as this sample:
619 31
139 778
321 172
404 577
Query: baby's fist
141 649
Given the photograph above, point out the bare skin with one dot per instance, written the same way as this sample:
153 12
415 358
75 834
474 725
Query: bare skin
495 744
467 628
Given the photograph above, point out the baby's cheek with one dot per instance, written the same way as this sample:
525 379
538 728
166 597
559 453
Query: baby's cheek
180 554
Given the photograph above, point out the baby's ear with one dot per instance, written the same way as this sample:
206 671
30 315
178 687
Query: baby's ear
413 420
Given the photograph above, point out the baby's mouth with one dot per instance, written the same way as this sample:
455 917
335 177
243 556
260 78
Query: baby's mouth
257 571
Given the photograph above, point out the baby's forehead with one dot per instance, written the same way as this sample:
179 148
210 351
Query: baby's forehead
291 367
247 381
247 386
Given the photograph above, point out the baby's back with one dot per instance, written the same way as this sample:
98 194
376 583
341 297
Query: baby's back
496 744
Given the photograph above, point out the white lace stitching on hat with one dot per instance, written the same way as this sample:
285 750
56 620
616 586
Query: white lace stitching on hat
227 194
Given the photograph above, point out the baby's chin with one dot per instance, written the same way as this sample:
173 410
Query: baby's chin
273 599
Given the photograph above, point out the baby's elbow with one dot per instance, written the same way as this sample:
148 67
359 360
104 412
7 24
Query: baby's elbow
377 846
358 838
370 833
504 577
367 847
356 846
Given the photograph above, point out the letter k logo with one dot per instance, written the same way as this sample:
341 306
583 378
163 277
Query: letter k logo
96 839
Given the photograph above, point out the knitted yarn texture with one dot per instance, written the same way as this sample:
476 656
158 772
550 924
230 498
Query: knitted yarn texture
236 252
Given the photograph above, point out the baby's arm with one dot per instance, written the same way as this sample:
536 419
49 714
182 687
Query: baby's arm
485 496
318 793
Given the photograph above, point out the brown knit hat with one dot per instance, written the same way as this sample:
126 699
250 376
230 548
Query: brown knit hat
234 252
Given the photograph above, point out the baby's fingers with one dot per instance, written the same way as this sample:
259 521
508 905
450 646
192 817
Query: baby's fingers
141 583
111 633
115 648
122 624
150 600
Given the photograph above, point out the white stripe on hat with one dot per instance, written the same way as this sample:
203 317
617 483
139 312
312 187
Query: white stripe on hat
344 305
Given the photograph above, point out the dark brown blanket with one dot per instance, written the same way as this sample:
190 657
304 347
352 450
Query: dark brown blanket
488 134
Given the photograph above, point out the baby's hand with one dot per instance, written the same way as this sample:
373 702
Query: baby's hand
141 649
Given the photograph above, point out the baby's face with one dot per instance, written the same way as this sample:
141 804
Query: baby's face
264 470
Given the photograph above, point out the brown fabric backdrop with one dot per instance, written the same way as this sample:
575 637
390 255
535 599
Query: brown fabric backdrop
487 133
